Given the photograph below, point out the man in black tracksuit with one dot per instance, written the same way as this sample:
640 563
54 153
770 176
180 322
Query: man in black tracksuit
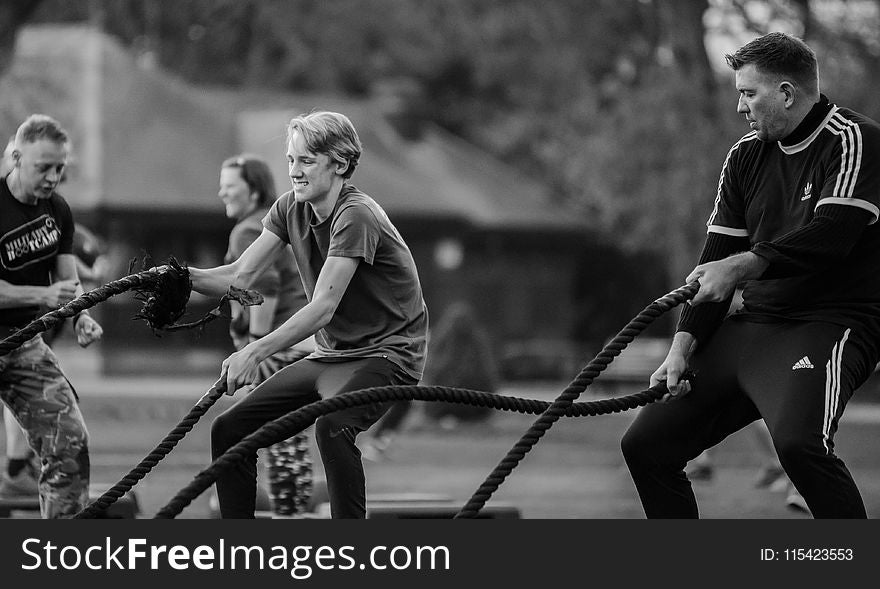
795 221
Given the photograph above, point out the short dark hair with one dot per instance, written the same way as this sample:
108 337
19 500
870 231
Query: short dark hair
256 174
779 54
37 127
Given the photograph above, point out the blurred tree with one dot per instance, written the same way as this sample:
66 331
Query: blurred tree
13 14
615 104
648 168
844 33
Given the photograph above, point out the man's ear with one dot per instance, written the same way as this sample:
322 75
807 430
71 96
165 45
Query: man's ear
790 91
342 167
16 156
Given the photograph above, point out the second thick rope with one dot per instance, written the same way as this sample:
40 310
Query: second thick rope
558 408
97 507
81 303
296 421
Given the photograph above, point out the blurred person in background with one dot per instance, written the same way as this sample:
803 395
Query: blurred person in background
38 270
460 356
771 475
22 464
22 468
247 190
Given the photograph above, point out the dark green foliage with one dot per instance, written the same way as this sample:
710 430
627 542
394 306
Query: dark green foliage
617 105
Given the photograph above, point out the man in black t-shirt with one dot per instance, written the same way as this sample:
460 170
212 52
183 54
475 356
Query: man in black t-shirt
38 270
794 221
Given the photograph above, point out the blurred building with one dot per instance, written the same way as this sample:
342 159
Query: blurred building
147 148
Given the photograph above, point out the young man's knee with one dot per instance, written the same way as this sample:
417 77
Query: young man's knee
333 429
225 431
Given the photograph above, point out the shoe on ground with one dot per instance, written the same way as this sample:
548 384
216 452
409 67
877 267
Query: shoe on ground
700 472
772 478
24 484
374 449
795 501
780 485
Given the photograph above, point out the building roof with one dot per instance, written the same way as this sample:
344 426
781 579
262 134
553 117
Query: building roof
438 175
145 140
141 139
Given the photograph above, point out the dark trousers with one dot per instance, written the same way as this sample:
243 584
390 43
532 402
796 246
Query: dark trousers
393 420
797 376
289 389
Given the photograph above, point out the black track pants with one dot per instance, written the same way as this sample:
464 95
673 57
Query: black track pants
797 376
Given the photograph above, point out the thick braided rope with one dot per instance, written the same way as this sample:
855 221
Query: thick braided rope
558 408
97 507
296 421
80 303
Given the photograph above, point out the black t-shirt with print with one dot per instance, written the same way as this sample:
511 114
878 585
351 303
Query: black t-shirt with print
31 237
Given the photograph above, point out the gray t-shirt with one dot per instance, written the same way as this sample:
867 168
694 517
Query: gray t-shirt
383 312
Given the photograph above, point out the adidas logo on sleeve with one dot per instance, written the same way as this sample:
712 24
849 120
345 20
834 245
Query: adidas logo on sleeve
803 363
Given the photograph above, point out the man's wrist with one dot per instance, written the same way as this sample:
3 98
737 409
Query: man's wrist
683 344
749 265
259 349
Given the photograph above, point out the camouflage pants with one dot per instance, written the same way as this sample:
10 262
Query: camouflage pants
289 462
45 405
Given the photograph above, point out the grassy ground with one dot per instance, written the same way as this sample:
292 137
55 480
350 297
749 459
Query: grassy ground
575 471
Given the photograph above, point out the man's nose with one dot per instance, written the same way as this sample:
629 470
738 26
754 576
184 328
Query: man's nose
741 106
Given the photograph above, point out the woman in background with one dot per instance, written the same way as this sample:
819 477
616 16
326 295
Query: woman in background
247 190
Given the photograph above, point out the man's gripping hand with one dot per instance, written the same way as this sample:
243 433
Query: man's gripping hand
87 330
240 370
675 366
60 293
718 279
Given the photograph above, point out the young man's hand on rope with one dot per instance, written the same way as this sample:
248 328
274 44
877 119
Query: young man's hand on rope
165 299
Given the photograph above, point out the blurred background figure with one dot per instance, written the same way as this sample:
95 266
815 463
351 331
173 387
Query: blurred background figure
19 479
22 466
460 355
771 475
247 190
39 271
22 470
